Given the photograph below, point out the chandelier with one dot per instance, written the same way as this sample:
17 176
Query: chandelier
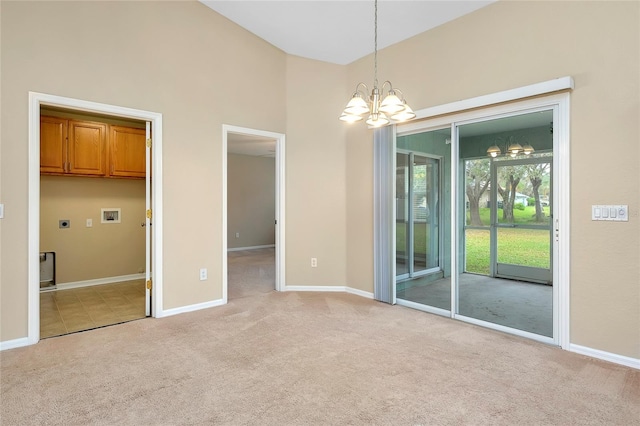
383 107
511 147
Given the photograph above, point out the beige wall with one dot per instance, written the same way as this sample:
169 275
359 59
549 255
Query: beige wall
251 200
512 44
103 250
316 174
177 58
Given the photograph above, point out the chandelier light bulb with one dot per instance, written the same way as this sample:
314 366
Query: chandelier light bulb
356 106
528 149
377 120
392 104
405 115
350 118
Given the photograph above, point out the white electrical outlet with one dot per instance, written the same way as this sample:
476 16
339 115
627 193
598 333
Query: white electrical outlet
314 262
203 274
89 223
1 211
237 235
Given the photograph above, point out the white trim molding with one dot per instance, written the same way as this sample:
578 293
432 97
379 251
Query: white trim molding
519 93
330 288
605 356
99 281
15 343
191 308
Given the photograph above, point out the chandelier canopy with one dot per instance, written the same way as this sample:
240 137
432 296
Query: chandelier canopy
385 105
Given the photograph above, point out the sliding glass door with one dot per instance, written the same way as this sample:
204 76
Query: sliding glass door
417 215
505 274
420 242
479 217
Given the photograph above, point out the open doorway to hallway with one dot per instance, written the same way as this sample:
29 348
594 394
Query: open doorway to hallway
253 220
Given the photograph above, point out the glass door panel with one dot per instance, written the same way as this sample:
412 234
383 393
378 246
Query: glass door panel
522 224
402 215
420 239
426 176
505 259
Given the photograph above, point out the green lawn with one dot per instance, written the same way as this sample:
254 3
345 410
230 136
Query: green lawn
527 247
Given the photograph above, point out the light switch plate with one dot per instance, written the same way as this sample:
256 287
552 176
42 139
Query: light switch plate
610 212
1 211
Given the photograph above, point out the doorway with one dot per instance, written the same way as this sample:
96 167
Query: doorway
92 220
253 211
501 213
506 255
152 286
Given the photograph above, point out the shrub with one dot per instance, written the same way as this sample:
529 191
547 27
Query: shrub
531 201
519 206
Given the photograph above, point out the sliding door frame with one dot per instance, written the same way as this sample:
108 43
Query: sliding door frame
553 95
410 228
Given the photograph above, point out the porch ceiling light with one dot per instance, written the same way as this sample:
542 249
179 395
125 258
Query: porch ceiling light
512 149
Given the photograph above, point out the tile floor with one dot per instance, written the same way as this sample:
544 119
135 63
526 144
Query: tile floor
78 309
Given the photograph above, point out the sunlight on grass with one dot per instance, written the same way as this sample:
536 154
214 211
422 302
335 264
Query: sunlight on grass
526 247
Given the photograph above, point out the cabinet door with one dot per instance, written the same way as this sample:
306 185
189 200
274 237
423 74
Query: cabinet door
127 150
53 144
87 148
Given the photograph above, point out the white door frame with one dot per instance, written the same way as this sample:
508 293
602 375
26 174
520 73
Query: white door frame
280 202
557 97
36 100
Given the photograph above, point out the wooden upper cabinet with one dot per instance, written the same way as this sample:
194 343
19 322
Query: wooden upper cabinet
53 144
127 152
87 148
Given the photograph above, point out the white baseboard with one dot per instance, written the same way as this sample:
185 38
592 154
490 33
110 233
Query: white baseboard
329 288
190 308
358 292
15 343
606 356
251 247
100 281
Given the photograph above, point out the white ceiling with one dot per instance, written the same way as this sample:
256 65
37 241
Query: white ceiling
339 32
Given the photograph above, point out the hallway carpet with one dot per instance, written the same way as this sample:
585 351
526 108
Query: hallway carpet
308 359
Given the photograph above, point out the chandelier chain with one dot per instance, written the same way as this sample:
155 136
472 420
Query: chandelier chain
375 46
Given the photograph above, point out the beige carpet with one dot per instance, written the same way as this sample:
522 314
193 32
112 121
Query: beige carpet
308 358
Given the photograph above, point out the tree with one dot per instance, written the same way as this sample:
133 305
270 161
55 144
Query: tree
477 181
511 176
537 173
